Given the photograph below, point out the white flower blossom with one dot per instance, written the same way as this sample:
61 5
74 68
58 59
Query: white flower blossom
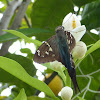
72 23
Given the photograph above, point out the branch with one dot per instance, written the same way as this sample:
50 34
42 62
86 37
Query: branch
16 24
8 15
27 21
20 14
8 2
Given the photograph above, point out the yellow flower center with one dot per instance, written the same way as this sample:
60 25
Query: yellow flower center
74 23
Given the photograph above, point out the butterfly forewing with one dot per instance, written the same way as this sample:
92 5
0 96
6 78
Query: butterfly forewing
48 51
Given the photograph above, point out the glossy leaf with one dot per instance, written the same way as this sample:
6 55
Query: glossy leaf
90 38
27 64
91 15
28 32
50 14
21 95
17 70
82 2
37 98
21 35
80 98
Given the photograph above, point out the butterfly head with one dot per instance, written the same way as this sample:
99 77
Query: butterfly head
59 28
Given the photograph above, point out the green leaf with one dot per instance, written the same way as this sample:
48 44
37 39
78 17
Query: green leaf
24 62
38 98
21 35
90 38
17 70
50 14
80 98
28 32
91 15
95 85
82 2
3 1
27 64
21 95
28 52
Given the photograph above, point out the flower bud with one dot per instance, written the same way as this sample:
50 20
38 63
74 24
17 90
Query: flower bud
66 93
79 50
56 65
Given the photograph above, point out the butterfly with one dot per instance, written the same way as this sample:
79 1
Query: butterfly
59 47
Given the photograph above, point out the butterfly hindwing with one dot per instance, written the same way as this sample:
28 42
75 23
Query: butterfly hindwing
70 40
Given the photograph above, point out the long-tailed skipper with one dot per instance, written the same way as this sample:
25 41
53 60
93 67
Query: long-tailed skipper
59 48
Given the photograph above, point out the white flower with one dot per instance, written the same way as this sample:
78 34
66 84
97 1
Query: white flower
72 24
66 93
79 50
56 65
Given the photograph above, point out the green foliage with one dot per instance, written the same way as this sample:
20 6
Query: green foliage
37 98
80 98
28 52
82 2
45 17
52 13
27 65
90 38
91 9
18 71
21 95
28 32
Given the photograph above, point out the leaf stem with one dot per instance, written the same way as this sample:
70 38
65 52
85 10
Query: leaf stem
68 79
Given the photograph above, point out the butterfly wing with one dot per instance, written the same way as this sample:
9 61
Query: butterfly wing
45 52
70 40
48 51
72 74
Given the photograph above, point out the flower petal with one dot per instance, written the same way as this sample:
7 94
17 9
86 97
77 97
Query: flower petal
78 32
70 22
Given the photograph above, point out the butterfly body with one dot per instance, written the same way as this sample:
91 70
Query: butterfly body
63 47
59 48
